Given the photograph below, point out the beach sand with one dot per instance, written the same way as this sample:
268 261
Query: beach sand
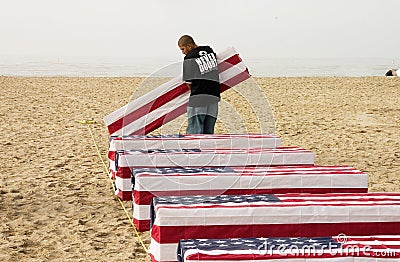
57 202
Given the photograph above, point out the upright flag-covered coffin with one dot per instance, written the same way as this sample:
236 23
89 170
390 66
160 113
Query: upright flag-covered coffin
169 100
280 215
339 248
152 182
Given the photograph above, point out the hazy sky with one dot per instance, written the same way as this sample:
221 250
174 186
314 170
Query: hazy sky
256 28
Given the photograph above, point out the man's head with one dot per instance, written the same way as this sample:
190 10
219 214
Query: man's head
186 44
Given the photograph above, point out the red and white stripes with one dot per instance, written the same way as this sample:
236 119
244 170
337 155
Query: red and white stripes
289 215
293 197
169 100
241 180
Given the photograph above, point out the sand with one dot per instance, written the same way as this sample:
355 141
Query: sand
57 203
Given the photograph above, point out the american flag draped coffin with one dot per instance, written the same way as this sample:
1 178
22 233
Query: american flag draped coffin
120 143
152 182
192 141
340 248
127 159
169 100
279 215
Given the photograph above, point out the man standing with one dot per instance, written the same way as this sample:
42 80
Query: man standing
200 72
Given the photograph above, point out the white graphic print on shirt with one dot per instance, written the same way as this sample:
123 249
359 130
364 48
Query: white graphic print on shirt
206 62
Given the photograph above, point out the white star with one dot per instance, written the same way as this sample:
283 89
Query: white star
261 238
298 242
280 240
311 240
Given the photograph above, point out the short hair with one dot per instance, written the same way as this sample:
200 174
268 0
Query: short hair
186 40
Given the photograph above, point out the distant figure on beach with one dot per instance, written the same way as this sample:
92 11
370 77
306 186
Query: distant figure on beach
200 72
393 72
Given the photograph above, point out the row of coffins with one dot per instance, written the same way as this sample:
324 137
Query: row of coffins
148 170
154 177
126 153
157 173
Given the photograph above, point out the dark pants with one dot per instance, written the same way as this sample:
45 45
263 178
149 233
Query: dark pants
201 120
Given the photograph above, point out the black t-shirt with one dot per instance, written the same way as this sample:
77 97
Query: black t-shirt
200 69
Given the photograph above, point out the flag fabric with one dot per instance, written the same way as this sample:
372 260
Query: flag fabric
280 215
296 249
169 100
125 160
152 182
190 141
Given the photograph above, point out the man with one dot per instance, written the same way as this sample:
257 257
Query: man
393 72
200 72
